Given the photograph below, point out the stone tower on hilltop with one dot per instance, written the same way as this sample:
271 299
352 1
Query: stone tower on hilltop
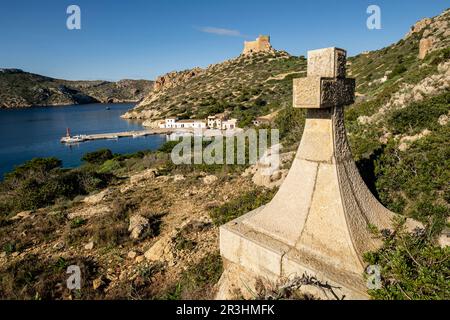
261 44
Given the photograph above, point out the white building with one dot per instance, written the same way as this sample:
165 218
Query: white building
169 123
191 123
213 122
229 124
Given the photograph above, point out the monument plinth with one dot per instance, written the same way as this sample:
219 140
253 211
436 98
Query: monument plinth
319 221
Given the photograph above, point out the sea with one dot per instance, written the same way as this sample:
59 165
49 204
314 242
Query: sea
29 133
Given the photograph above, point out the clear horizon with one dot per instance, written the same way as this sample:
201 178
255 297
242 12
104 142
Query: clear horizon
145 39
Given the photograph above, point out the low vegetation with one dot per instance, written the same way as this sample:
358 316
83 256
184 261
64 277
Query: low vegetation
412 266
42 182
245 87
198 281
241 205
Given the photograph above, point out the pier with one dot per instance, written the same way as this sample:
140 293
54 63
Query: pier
117 135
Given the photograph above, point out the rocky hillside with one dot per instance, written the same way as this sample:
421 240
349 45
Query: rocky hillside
23 89
247 86
256 84
390 79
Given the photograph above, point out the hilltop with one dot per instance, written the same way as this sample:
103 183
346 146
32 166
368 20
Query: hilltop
22 89
247 86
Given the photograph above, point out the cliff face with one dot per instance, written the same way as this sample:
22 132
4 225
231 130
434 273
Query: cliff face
433 33
175 78
20 89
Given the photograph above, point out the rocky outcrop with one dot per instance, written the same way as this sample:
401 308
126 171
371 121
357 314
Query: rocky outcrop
425 46
431 31
175 78
419 26
137 225
410 93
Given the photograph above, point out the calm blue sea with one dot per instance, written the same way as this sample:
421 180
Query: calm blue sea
35 132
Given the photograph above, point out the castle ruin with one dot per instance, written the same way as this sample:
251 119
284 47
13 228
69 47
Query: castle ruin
261 44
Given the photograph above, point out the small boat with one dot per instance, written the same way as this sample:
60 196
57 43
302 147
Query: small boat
108 108
72 139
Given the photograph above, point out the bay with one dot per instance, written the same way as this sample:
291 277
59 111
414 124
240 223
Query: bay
36 132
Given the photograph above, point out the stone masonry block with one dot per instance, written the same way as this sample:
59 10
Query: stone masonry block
318 92
327 63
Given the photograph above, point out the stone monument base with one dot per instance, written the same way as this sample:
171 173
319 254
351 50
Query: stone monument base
251 256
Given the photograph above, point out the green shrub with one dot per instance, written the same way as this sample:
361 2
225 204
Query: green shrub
412 267
109 166
168 146
35 278
37 167
98 157
290 121
420 115
398 70
41 182
405 180
77 222
241 205
438 57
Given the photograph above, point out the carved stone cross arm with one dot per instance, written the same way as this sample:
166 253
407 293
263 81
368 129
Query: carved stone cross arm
326 85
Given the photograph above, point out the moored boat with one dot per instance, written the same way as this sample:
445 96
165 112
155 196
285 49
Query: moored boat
72 139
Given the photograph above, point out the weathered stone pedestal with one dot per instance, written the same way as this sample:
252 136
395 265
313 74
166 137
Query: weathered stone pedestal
318 222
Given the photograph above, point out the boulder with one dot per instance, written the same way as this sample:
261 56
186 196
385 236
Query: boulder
137 225
210 179
90 211
22 215
139 259
96 198
131 255
145 175
178 177
425 46
89 246
161 250
443 120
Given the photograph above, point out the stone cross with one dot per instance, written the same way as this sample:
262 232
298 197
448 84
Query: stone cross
319 222
326 85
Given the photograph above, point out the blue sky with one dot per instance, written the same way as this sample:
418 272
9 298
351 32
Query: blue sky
145 38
